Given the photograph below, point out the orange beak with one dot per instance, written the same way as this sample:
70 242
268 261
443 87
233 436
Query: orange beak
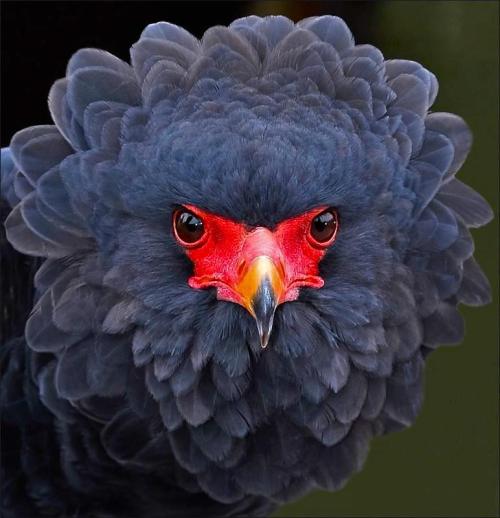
261 288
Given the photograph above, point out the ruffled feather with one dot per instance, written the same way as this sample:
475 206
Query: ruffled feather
469 205
457 131
37 149
444 326
331 29
41 333
197 405
475 289
98 83
29 242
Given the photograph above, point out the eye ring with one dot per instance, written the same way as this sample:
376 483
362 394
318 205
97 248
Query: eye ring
324 228
189 228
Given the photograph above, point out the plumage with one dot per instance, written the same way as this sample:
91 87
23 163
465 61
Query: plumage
50 397
28 241
52 193
43 227
170 414
197 405
475 289
38 149
135 391
126 438
332 365
467 204
71 372
235 420
41 333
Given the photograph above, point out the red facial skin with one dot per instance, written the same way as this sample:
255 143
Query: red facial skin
227 250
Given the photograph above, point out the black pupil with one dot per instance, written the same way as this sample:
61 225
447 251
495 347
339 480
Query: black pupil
323 226
189 227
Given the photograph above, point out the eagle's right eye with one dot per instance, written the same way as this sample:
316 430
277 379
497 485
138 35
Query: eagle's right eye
188 227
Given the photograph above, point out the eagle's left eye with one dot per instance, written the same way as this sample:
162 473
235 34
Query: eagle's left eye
188 227
324 227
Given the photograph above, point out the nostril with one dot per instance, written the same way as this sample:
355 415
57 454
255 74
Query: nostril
240 268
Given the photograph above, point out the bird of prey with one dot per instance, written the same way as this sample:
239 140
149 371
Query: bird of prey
249 243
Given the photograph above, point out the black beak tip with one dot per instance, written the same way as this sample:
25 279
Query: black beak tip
264 335
264 305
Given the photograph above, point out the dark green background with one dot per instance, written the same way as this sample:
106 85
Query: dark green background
447 463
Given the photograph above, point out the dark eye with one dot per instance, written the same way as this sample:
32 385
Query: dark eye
324 226
188 227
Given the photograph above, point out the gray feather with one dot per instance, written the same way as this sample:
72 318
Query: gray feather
469 205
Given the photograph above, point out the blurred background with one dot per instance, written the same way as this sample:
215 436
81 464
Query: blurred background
447 464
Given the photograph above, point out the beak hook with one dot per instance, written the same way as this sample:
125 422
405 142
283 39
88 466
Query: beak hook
263 307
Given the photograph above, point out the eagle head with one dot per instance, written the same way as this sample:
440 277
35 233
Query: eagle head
252 241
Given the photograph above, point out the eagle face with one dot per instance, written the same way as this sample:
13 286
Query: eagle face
257 187
252 242
256 268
